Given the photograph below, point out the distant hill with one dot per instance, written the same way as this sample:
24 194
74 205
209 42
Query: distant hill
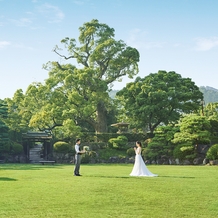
210 94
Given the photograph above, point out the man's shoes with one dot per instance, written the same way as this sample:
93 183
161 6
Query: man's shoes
77 175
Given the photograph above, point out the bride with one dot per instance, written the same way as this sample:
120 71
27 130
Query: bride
140 168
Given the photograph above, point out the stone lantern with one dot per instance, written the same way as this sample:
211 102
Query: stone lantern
122 127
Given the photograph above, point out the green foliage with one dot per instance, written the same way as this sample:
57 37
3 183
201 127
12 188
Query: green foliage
16 148
144 154
214 139
212 152
104 137
4 130
210 110
118 142
61 147
15 136
4 148
97 145
105 154
214 126
159 98
75 100
161 145
185 151
110 142
194 130
19 112
85 158
130 152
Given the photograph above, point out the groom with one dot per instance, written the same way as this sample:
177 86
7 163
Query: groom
77 157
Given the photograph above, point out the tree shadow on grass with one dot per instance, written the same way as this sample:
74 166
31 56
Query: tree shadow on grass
141 177
28 167
180 177
7 179
112 177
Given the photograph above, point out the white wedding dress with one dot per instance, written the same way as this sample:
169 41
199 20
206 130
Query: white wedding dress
140 168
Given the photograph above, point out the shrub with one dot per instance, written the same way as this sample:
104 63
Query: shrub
105 154
85 158
5 148
144 153
183 152
61 147
118 142
212 153
130 152
16 148
96 145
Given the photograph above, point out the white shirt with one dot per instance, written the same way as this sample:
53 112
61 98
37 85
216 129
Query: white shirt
77 148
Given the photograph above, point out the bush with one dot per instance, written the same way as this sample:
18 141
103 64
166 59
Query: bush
183 152
105 154
96 145
16 148
130 152
118 142
85 158
61 147
144 153
104 137
5 148
212 153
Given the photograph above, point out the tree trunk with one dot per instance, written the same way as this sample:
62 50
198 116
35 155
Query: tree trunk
101 113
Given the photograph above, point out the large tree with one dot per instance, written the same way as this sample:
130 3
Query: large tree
159 98
74 95
4 136
103 60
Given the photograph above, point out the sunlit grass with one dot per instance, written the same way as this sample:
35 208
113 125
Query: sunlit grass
107 191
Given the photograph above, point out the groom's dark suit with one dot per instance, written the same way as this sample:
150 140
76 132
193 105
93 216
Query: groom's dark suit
77 158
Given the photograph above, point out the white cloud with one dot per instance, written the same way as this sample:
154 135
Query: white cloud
205 44
4 44
52 13
21 21
138 39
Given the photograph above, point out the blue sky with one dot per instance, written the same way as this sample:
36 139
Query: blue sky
171 35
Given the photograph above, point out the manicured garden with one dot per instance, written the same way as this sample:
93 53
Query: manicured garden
107 190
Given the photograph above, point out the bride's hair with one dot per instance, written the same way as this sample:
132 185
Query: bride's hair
139 143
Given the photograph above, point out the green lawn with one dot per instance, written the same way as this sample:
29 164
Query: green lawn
29 191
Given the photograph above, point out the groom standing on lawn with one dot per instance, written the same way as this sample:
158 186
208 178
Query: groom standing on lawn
77 157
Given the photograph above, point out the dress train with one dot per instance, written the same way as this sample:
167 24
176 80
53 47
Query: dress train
139 168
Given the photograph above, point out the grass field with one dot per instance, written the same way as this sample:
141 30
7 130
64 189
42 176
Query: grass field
30 191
